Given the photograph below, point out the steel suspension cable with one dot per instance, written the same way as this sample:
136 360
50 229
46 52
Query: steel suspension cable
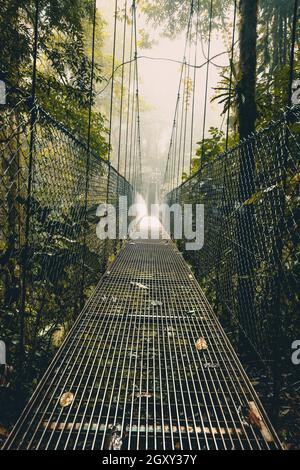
231 72
167 172
194 85
87 174
181 119
172 148
113 80
174 135
122 87
132 126
137 83
175 123
135 137
111 99
207 79
187 103
175 146
121 106
128 101
165 59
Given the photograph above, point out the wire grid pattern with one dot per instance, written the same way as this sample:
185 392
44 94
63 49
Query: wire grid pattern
250 258
62 243
135 377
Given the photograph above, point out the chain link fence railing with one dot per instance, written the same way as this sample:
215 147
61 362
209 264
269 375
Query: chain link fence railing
249 265
50 255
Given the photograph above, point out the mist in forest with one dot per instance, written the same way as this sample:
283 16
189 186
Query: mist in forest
159 82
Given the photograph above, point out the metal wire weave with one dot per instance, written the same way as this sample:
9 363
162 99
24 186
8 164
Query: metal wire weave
249 264
60 243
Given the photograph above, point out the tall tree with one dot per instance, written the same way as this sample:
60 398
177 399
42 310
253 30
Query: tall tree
247 112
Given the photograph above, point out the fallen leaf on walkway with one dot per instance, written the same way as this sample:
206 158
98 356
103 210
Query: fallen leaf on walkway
155 303
66 399
201 344
256 420
285 412
143 395
134 355
139 285
211 365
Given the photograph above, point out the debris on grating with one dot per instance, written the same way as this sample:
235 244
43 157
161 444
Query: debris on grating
257 421
191 276
170 331
242 413
113 439
66 399
134 355
211 365
115 399
104 298
139 285
155 303
192 312
143 395
114 299
180 342
285 412
201 344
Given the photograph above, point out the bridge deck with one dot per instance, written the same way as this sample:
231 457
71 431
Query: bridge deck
130 373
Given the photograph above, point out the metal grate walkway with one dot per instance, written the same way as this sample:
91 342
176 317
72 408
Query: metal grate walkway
146 366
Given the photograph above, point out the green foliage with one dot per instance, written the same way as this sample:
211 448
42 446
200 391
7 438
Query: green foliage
173 15
145 41
211 147
64 60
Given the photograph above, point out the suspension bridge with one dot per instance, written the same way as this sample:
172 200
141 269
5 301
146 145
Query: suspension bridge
147 363
146 366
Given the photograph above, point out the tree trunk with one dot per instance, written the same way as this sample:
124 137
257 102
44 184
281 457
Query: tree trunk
248 60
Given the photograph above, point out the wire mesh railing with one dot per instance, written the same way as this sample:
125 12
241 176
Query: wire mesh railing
249 264
50 254
146 366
